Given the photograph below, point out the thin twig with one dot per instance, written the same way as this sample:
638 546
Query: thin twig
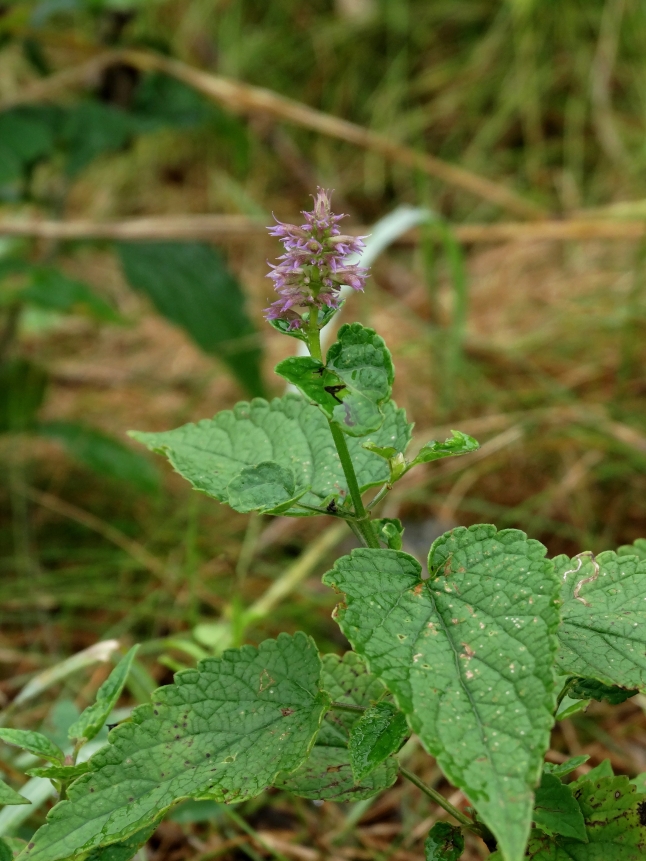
438 798
245 98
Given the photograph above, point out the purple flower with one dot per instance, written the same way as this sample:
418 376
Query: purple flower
313 269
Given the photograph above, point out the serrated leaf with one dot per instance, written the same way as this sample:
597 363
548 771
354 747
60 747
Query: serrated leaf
590 689
556 810
10 796
615 820
377 734
355 380
222 731
327 775
33 742
444 843
287 431
94 716
348 681
603 632
604 769
190 284
60 772
267 487
489 611
103 454
562 768
637 548
458 443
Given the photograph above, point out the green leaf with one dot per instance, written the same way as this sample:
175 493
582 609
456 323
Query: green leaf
190 284
614 814
604 769
124 850
22 391
103 454
638 548
222 731
34 742
603 632
348 681
267 487
563 768
24 139
590 689
5 851
91 129
10 796
61 772
444 843
327 775
377 734
49 288
287 431
390 530
458 443
640 782
355 380
468 655
556 810
94 717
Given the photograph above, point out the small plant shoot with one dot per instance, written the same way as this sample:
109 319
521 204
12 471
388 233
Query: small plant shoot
476 659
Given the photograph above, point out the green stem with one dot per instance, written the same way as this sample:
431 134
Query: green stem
438 798
347 707
362 517
563 694
314 335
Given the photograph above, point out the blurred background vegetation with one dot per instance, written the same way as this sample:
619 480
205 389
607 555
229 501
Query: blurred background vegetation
536 346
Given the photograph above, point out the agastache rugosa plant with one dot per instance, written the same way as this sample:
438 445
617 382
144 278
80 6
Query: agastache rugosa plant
478 660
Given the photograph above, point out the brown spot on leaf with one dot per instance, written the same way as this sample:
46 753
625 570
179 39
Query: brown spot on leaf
286 712
641 812
266 680
333 768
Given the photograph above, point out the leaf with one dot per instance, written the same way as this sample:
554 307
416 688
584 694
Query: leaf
22 392
640 782
615 820
189 283
638 548
94 717
603 632
348 681
390 530
25 138
60 772
604 769
103 454
355 380
590 689
5 851
34 742
444 843
10 796
125 850
222 731
267 487
458 443
489 611
287 431
327 775
49 288
563 768
377 734
91 129
556 811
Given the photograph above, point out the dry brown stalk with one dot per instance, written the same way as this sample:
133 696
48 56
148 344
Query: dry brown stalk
223 227
247 99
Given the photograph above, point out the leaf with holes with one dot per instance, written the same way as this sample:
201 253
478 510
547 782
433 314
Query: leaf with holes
289 432
91 721
603 632
556 810
615 821
354 382
33 742
377 734
469 656
222 731
444 843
